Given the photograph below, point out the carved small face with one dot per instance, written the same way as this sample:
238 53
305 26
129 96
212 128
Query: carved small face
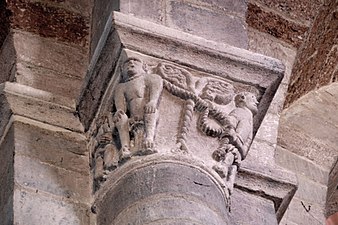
247 99
132 67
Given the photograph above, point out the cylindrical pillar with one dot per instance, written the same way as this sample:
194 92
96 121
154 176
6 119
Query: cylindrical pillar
163 193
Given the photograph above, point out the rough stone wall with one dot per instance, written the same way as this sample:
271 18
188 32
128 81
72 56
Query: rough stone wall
277 38
4 18
288 21
307 145
6 180
221 21
316 63
48 45
44 55
64 21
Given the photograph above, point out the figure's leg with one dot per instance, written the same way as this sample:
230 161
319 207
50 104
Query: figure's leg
150 120
110 157
123 129
222 167
231 178
98 170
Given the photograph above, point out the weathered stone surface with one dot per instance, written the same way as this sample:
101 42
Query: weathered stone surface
40 176
209 24
196 52
316 63
35 207
301 165
311 191
45 64
48 80
81 7
265 21
38 106
332 192
153 10
144 184
304 10
7 212
230 6
51 145
331 208
221 21
180 48
49 21
308 130
257 210
100 15
99 78
4 18
265 44
6 178
49 54
173 210
303 213
7 60
269 181
305 121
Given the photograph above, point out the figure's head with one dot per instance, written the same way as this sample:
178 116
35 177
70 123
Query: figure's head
248 100
131 67
219 92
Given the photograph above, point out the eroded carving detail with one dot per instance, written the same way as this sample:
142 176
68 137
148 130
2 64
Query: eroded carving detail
180 82
234 130
136 101
130 128
235 137
106 154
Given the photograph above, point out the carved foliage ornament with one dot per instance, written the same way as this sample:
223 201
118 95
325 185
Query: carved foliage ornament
130 129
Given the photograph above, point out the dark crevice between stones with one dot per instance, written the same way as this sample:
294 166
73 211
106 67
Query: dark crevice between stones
5 22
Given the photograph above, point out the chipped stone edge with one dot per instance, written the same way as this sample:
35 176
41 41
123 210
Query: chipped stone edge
40 97
237 54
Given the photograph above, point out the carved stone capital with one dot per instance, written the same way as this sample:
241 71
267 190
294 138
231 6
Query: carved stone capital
170 95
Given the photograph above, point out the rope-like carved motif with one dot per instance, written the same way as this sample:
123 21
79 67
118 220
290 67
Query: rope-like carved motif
188 113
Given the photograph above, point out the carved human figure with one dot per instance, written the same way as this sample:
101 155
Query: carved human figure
106 153
239 128
136 100
236 137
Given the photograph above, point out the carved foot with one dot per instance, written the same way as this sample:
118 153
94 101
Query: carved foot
148 148
148 143
219 154
125 153
221 170
111 158
148 151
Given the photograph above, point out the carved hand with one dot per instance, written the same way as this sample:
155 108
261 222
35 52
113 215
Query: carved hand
150 107
231 134
118 116
105 138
